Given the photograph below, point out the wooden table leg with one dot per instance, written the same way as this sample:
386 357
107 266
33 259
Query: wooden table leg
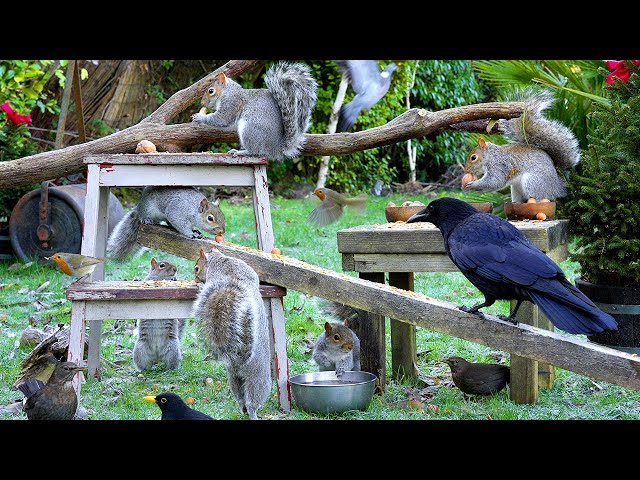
546 371
524 371
371 332
404 351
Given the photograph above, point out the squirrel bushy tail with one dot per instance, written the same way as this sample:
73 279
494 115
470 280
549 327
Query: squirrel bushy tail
122 241
532 128
294 90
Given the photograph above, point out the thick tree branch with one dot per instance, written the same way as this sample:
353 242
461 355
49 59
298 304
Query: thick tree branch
414 123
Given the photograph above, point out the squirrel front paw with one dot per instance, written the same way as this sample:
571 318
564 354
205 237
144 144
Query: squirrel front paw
196 234
198 117
339 371
233 152
472 186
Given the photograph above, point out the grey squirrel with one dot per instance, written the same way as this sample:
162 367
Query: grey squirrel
159 339
270 122
337 348
184 208
537 147
232 320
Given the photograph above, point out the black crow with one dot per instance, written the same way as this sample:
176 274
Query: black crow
505 265
370 85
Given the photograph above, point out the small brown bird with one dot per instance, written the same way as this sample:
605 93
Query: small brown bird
174 408
478 378
75 264
332 206
57 400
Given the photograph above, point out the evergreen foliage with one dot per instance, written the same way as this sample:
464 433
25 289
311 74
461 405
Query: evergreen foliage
603 203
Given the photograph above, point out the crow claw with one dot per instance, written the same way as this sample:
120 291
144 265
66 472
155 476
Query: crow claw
508 318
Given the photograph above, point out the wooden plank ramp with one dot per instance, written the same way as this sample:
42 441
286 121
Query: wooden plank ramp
564 351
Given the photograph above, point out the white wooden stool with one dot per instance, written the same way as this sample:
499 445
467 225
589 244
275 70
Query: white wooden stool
169 169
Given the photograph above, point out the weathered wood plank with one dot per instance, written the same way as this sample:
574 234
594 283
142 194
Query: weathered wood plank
175 175
262 210
404 350
148 290
524 371
165 158
423 237
568 352
372 339
397 262
546 372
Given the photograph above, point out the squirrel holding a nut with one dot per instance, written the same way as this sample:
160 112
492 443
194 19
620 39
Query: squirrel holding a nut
538 147
270 122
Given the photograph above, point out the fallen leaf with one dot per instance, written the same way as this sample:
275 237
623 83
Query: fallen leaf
433 408
23 290
13 266
7 285
43 286
4 317
208 381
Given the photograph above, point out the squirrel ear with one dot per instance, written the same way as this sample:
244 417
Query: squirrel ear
154 262
345 323
221 78
202 254
216 202
482 143
327 327
204 204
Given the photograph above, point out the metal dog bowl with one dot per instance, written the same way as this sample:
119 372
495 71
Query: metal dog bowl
324 392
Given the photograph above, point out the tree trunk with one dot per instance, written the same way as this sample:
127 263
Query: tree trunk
331 128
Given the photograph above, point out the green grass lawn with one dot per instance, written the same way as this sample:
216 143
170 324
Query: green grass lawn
118 396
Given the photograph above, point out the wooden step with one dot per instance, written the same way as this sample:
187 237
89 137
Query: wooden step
148 290
164 158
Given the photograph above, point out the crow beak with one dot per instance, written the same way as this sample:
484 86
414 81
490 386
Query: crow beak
150 398
421 216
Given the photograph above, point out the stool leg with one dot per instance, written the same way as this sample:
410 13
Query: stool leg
262 209
75 352
94 243
279 346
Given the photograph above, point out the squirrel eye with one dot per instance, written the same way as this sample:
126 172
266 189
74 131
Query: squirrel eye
210 218
197 268
336 337
212 91
474 157
163 400
162 265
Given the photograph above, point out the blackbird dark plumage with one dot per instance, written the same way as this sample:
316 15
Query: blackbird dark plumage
55 400
478 378
505 265
174 408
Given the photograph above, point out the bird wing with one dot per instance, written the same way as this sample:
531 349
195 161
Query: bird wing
325 213
360 73
497 251
30 387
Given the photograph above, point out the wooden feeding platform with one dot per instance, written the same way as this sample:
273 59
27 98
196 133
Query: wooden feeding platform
416 309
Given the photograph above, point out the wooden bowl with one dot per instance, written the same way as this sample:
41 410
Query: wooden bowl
528 211
402 214
483 207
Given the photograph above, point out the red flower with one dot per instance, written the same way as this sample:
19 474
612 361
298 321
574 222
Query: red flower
619 70
14 117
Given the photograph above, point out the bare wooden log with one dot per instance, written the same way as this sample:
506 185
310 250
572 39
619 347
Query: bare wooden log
568 352
414 123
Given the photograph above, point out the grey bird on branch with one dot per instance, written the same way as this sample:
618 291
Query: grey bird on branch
368 82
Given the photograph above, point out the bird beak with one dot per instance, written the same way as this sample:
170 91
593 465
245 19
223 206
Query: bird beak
80 369
150 398
421 216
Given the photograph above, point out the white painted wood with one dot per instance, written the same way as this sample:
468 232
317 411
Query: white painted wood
97 310
175 175
75 352
262 210
165 158
280 352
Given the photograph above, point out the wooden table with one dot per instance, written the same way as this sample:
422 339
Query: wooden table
401 249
